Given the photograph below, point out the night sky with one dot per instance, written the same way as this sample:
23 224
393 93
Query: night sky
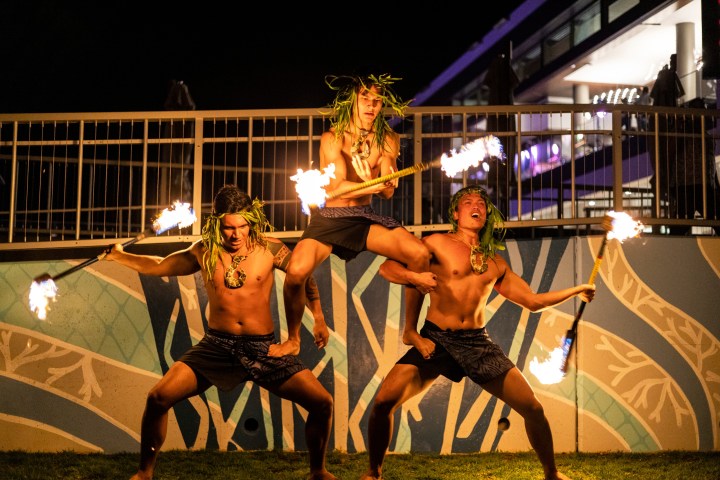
110 55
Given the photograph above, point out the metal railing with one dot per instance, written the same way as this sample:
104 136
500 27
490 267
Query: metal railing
92 177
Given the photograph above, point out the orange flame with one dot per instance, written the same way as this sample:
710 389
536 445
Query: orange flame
623 226
310 186
41 293
179 215
470 155
549 371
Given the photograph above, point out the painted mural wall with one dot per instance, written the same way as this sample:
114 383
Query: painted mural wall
646 376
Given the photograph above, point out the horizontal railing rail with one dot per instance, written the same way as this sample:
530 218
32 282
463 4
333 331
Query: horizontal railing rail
67 178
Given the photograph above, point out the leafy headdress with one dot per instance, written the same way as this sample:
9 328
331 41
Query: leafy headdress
230 200
493 233
349 87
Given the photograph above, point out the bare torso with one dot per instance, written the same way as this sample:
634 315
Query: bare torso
244 310
338 152
460 298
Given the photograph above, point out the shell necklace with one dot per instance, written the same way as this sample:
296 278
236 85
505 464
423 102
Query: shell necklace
231 281
360 149
474 251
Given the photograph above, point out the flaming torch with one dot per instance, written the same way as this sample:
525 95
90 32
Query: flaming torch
43 289
310 185
617 225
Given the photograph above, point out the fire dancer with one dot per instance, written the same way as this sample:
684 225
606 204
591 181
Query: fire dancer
361 145
239 344
464 268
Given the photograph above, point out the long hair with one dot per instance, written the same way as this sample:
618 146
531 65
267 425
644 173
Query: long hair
230 200
349 87
493 233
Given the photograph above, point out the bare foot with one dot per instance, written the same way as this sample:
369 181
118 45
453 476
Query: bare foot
141 476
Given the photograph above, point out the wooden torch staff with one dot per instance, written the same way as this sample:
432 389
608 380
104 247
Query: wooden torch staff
418 167
92 260
571 334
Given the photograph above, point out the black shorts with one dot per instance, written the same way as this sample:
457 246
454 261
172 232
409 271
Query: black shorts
346 228
226 360
460 353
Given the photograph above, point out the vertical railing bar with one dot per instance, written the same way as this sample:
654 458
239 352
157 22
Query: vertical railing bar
656 164
13 183
417 179
145 153
251 134
573 191
81 151
518 152
617 161
198 173
703 169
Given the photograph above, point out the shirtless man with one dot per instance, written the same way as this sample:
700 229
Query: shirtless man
363 146
239 344
464 269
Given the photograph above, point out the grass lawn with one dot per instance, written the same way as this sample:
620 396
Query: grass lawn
264 465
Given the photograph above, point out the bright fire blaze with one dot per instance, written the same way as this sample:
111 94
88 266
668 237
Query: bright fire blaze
550 371
41 293
623 226
471 154
179 215
310 186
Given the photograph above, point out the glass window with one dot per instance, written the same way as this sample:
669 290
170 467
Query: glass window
587 23
618 7
556 44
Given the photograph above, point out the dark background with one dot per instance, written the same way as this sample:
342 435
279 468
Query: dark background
109 55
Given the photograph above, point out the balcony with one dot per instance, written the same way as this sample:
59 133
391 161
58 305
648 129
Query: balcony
95 178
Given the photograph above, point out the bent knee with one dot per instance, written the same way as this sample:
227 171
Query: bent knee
532 410
384 405
297 274
418 255
324 405
157 401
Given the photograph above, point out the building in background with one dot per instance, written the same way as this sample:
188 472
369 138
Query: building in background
574 51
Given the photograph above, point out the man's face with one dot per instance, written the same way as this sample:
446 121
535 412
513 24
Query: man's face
234 230
369 105
471 211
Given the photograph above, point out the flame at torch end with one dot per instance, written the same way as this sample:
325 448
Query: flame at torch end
41 293
179 215
549 372
310 186
622 226
470 155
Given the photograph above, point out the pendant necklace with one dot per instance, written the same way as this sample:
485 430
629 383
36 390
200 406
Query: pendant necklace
360 149
231 281
474 251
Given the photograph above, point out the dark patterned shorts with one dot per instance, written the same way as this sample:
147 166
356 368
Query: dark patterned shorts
460 353
346 228
227 360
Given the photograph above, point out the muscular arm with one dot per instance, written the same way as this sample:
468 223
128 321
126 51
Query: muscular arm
515 289
182 262
396 272
281 258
